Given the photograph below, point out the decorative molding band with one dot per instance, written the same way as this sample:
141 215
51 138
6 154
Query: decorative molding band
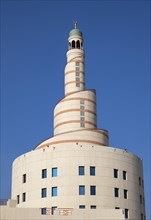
73 110
74 71
74 121
80 99
71 82
76 61
70 93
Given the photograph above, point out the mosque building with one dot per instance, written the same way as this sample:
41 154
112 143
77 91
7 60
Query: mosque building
76 174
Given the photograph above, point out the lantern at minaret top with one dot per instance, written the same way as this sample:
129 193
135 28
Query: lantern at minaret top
74 70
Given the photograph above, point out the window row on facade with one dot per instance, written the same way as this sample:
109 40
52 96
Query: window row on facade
116 174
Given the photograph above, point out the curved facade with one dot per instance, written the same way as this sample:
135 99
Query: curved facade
76 169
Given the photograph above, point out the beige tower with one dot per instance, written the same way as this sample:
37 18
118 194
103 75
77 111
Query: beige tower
75 174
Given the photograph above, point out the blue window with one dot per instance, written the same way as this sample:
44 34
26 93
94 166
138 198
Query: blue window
81 190
54 191
53 209
93 206
81 170
81 206
43 211
44 173
115 173
43 192
126 213
54 172
92 171
92 190
124 175
116 192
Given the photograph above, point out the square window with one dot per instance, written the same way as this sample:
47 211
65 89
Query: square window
81 170
43 211
125 193
53 208
116 192
77 79
77 64
115 173
92 190
82 125
44 173
81 190
82 118
82 107
92 171
18 199
54 171
81 206
54 191
77 68
93 206
77 84
81 113
24 197
126 213
77 74
24 178
43 192
124 175
82 102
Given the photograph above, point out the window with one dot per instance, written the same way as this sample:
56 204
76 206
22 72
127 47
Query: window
115 173
126 213
43 192
77 68
93 206
54 191
77 74
24 178
117 207
77 64
81 170
81 113
77 79
82 125
18 199
140 181
124 175
82 118
82 102
24 197
81 206
141 216
77 84
54 172
81 190
82 107
92 190
92 171
44 173
125 193
43 211
116 192
53 208
140 199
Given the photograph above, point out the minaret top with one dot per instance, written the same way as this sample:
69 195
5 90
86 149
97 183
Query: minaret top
75 31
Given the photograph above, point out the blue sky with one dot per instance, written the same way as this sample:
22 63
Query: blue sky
33 56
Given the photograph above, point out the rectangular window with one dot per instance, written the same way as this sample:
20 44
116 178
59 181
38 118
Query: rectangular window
43 211
53 208
43 192
77 84
82 102
81 206
140 181
81 170
140 199
24 178
115 173
82 118
77 74
117 207
44 173
93 206
81 190
92 190
77 68
54 171
82 107
81 113
54 191
18 199
82 125
126 213
24 197
92 171
77 64
124 175
141 216
116 192
125 193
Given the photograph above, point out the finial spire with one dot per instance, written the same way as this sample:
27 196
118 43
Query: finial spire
75 24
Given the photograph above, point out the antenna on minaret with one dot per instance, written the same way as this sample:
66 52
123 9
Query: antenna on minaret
75 24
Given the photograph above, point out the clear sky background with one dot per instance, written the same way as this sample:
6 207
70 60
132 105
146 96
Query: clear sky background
33 56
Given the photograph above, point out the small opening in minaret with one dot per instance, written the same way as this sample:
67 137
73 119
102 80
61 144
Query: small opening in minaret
73 44
78 44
